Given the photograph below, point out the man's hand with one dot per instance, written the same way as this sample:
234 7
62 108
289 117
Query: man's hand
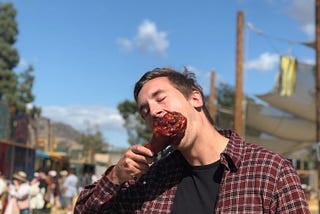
132 165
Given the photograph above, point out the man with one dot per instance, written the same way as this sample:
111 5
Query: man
70 189
210 171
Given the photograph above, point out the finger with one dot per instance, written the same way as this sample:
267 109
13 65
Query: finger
125 169
129 164
137 167
139 149
137 156
142 159
142 168
134 162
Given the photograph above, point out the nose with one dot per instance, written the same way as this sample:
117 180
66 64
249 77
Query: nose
156 110
157 113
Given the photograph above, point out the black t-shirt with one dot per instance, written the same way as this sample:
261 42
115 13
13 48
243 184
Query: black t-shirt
198 190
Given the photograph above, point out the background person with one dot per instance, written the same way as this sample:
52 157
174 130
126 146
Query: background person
54 199
62 177
36 195
85 180
3 192
70 187
19 194
45 189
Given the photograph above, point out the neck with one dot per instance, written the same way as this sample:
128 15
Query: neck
206 148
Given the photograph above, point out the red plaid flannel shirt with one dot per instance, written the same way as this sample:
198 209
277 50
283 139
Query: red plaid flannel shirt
253 180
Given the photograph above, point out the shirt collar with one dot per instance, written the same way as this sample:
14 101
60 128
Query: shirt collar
233 153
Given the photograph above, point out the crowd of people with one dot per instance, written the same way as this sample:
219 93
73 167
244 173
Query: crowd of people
46 192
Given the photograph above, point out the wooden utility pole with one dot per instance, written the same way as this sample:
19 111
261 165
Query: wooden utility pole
212 106
317 35
48 142
238 107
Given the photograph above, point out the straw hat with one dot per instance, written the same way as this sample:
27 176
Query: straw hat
64 173
52 173
21 176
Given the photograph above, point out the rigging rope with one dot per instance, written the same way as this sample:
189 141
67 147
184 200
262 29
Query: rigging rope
268 38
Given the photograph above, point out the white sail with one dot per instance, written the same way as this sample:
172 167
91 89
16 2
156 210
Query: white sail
280 124
278 145
302 102
287 121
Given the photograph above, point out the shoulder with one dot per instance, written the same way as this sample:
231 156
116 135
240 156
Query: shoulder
267 163
265 156
240 153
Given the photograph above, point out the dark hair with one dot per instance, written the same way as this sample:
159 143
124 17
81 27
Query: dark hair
44 170
185 82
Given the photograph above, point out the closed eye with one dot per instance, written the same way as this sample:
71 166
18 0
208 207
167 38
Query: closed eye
160 99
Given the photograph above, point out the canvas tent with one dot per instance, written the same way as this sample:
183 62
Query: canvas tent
302 101
287 122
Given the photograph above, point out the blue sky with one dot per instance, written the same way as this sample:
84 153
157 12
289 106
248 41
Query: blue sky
87 55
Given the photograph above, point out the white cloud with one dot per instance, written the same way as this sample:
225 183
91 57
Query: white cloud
265 62
92 118
80 117
309 29
148 39
303 12
125 44
308 61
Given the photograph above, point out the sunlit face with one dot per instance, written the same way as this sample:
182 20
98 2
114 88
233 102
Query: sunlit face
159 96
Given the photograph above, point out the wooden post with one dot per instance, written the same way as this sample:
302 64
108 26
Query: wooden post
212 105
48 144
317 34
238 108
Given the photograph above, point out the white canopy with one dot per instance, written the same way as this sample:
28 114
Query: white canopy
281 146
288 121
302 102
280 124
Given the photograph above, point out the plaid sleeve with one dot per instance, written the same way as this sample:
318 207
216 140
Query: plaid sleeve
93 197
290 197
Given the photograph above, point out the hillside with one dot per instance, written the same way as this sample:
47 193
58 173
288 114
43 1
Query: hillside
62 130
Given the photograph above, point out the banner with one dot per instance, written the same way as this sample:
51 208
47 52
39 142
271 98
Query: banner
21 128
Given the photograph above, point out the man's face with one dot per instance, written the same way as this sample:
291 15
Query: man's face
16 182
157 97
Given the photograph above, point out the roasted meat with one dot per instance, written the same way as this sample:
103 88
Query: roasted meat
168 129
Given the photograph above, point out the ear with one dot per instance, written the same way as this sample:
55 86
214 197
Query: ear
196 99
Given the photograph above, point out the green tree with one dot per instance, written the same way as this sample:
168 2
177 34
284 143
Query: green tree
24 93
138 133
15 89
92 144
225 100
225 96
9 56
